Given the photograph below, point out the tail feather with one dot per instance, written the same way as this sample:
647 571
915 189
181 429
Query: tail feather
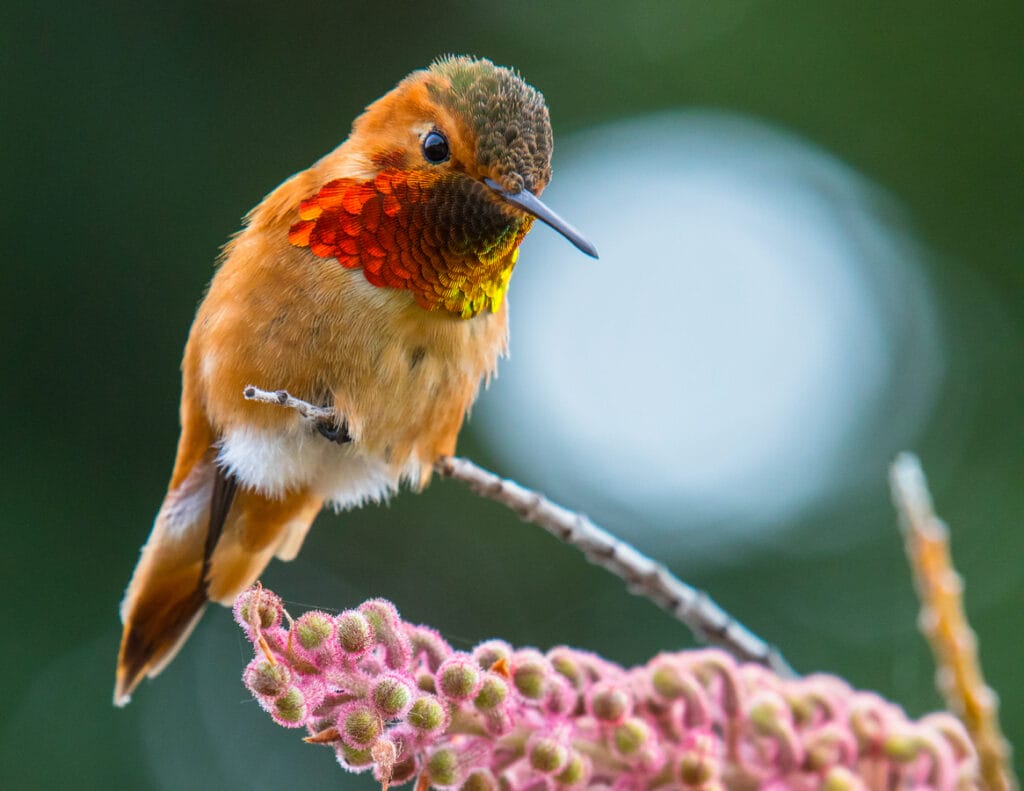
209 542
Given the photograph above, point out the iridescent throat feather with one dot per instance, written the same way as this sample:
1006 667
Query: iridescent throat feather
440 236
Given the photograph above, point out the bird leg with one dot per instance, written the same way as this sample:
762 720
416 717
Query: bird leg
331 430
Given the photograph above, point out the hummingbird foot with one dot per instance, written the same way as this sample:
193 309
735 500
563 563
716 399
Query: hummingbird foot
333 431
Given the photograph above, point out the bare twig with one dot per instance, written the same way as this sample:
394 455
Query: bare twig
944 623
311 412
709 622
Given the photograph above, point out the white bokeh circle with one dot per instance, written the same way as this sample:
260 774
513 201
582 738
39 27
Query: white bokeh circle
730 356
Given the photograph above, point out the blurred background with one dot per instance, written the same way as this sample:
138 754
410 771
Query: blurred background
811 220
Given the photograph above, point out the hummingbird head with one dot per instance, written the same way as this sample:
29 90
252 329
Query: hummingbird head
452 163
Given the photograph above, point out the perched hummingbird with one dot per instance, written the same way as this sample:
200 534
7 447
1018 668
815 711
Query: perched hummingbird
374 283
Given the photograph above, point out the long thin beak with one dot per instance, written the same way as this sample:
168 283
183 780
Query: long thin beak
531 204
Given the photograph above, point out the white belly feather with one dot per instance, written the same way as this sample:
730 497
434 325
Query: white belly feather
276 462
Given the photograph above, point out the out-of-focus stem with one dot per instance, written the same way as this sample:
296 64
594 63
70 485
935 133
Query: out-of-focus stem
944 623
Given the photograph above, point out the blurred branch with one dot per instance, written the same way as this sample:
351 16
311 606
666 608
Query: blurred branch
708 622
944 623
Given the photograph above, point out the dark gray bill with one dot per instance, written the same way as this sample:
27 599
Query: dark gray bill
531 204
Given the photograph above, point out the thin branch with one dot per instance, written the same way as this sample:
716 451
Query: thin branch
708 622
944 624
643 577
311 412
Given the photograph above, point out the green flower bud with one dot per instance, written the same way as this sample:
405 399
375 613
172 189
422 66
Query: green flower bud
313 630
354 757
630 736
360 726
548 755
443 767
458 679
290 708
575 771
479 780
355 634
492 694
427 714
392 696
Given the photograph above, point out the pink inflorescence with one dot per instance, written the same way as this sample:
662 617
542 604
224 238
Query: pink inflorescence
395 698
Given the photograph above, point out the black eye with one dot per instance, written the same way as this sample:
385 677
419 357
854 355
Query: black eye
435 147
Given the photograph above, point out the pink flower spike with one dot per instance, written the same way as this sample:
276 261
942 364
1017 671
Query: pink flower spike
518 720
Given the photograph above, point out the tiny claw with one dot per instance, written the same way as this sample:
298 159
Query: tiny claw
334 432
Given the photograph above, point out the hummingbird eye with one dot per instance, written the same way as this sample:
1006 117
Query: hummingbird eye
435 147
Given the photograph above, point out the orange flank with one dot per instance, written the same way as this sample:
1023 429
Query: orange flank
372 283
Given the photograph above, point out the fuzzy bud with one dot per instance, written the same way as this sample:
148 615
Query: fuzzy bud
289 709
479 780
609 703
266 680
492 693
428 645
355 634
630 736
427 715
353 758
839 778
575 771
388 631
267 614
443 768
490 653
547 755
566 665
667 681
359 725
458 678
529 673
391 696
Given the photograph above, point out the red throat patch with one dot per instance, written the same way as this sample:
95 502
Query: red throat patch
440 237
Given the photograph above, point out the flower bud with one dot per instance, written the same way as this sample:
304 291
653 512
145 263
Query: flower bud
267 613
529 673
458 678
427 715
575 772
839 778
443 768
429 645
355 634
565 664
388 632
289 709
491 652
313 630
609 703
479 780
630 736
696 767
547 755
667 680
902 747
266 680
391 696
492 693
353 758
359 725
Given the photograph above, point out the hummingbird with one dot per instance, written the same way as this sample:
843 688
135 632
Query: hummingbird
372 283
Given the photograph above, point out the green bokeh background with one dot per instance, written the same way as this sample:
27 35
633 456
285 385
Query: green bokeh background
135 135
